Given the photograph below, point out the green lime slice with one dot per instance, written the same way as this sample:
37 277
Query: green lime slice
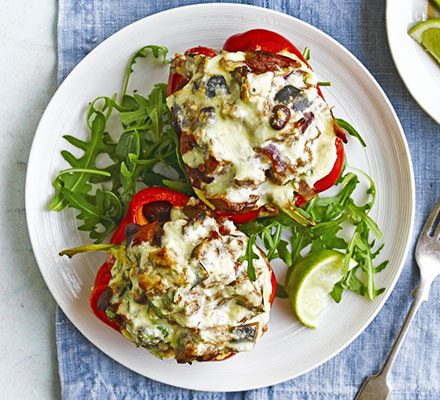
311 281
427 33
436 3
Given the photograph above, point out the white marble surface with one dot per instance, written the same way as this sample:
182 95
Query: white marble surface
27 80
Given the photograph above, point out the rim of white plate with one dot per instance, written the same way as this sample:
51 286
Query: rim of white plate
237 8
410 86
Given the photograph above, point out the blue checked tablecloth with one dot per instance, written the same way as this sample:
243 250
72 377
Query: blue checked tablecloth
359 25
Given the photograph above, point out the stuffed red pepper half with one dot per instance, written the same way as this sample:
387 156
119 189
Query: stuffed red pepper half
176 282
255 130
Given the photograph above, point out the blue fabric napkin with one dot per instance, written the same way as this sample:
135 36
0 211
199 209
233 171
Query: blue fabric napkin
359 25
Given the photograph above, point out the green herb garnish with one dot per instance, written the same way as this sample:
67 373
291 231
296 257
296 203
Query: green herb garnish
249 257
306 54
110 314
350 130
145 141
281 292
90 248
329 215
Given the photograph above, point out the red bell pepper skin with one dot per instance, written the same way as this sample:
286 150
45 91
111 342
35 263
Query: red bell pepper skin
253 40
101 282
206 51
300 201
135 215
150 195
261 40
146 196
328 181
238 218
272 42
273 281
177 81
264 40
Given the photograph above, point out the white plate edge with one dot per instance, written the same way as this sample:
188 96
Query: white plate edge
424 107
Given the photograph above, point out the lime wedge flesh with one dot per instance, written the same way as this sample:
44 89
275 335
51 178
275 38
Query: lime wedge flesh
427 33
436 3
311 281
431 40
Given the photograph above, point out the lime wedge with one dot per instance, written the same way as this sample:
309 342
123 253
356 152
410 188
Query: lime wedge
310 283
436 3
427 33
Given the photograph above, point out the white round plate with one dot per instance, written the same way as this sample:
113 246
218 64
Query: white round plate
418 70
288 349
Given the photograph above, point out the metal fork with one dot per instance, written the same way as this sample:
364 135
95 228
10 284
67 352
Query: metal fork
377 387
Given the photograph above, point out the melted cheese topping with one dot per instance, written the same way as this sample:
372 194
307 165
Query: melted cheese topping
191 297
227 114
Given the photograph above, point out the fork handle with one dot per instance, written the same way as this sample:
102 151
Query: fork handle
419 294
377 387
